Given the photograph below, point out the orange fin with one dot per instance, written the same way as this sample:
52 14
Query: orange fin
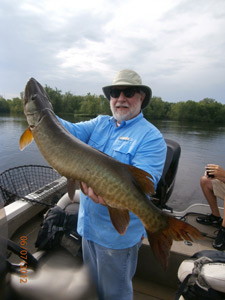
143 180
120 219
161 241
26 138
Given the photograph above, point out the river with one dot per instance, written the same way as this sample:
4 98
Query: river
200 144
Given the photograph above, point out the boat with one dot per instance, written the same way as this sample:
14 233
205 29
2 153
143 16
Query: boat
24 216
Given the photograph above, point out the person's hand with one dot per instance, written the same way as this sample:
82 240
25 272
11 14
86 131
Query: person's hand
216 171
91 194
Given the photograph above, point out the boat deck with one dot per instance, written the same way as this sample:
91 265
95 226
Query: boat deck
147 290
150 281
144 289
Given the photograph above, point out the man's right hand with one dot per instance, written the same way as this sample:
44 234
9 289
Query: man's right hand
91 194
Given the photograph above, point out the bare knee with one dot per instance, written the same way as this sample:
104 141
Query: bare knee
205 182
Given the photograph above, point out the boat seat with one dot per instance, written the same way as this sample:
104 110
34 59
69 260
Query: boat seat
70 207
202 276
167 181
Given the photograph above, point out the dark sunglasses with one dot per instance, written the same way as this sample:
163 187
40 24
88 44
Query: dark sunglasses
128 92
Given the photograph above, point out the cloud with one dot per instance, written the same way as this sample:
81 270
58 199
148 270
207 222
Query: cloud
177 46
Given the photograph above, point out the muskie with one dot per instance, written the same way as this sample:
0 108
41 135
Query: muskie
123 187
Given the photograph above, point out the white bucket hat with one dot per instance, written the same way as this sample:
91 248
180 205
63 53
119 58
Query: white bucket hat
129 78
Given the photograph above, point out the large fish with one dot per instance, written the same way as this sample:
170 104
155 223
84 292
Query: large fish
123 187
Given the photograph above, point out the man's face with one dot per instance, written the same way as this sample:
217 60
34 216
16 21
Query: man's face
125 103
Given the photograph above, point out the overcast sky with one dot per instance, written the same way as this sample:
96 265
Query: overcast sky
177 46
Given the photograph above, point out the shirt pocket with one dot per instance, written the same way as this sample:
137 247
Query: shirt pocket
124 150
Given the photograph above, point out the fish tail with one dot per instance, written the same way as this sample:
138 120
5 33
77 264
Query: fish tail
161 241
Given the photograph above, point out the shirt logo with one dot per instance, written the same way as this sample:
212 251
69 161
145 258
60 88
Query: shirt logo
124 138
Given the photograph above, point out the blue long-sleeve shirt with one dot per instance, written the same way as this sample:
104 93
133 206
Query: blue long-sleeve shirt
136 142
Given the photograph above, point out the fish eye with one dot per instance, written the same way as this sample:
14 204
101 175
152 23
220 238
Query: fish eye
34 97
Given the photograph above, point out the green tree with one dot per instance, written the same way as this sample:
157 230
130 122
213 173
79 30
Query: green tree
207 110
157 109
71 103
16 105
211 111
4 105
94 105
55 98
104 107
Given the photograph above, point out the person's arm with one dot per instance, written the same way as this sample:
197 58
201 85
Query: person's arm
81 130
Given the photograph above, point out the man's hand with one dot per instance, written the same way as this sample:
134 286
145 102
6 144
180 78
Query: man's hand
91 194
217 171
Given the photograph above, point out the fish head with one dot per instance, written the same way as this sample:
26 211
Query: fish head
35 102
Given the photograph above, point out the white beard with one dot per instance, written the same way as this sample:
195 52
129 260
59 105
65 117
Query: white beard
121 116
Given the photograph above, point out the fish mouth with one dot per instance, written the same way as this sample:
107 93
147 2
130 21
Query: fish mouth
34 118
31 114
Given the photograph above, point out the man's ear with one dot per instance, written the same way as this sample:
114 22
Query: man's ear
142 96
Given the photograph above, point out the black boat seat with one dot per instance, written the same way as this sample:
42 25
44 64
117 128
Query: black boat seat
167 181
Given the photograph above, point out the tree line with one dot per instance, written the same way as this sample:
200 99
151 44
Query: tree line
206 110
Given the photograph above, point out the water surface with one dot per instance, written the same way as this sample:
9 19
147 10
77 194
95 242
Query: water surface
200 144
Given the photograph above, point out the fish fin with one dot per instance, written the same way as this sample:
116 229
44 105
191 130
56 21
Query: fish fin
26 138
120 219
161 241
81 187
71 188
143 179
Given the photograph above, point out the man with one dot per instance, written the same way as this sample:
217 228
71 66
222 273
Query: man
131 139
213 186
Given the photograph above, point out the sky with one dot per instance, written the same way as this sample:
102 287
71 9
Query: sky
78 46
